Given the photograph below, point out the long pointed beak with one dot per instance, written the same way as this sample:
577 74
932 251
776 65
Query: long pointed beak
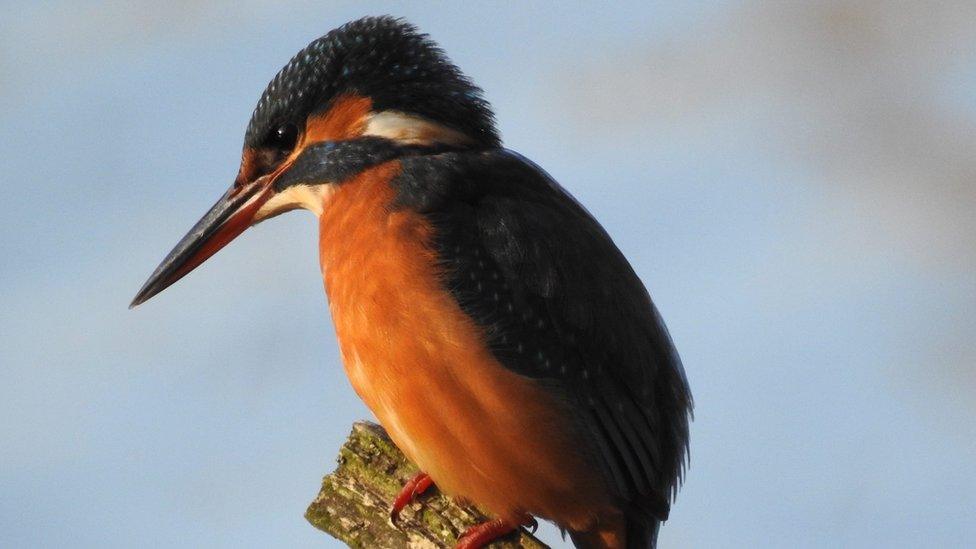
229 217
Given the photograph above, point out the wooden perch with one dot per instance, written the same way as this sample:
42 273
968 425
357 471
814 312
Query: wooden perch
354 503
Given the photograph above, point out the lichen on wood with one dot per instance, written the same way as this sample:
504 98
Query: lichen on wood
354 503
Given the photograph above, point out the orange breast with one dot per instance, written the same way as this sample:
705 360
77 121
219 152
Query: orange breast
482 432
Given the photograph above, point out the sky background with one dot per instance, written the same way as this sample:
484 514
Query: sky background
794 182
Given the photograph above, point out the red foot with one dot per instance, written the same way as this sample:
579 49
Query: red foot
413 488
480 535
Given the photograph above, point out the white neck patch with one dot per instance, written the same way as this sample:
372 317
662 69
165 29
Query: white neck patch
412 130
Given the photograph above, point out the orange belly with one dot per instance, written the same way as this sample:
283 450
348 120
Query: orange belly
482 432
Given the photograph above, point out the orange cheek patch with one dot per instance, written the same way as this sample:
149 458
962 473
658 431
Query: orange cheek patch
345 119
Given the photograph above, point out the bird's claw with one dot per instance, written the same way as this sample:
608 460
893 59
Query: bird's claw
413 488
481 535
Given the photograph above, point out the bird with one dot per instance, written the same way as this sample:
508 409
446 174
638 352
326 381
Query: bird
483 315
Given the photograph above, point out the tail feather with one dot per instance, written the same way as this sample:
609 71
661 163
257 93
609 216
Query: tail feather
642 532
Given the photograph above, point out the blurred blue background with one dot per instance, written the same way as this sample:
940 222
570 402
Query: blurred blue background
794 182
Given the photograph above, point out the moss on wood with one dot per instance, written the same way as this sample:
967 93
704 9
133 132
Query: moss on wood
354 502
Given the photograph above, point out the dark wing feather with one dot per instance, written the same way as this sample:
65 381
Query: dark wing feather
560 303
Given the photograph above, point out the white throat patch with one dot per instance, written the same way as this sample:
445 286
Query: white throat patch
308 197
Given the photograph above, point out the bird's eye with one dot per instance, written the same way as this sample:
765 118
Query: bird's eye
283 137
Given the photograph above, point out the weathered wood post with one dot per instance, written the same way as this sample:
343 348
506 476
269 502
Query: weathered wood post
354 502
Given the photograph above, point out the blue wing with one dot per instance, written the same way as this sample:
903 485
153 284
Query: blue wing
559 303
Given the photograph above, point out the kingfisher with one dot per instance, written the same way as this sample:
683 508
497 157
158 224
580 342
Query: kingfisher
483 315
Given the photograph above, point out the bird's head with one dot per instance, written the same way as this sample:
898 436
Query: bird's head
365 93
